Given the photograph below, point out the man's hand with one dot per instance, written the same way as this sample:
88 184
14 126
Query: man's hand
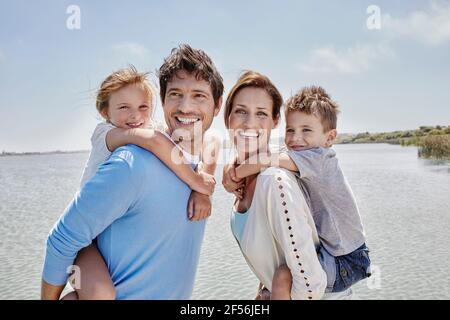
231 183
199 206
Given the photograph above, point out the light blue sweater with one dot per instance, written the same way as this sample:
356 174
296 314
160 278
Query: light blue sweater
136 207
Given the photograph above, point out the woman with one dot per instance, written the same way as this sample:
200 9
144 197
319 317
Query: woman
270 220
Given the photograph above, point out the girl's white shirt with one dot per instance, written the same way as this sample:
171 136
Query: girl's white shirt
100 152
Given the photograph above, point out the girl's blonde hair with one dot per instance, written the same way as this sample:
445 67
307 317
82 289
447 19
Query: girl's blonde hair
120 79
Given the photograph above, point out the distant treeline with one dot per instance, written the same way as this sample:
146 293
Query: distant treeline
432 141
5 153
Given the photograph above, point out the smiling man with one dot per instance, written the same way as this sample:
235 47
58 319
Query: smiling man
135 206
191 93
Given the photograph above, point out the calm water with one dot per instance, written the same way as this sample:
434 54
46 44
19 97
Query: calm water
404 202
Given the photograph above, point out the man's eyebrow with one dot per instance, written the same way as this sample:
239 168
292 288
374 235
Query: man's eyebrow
201 91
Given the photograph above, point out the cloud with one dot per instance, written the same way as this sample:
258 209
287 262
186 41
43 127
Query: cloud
354 60
131 48
430 26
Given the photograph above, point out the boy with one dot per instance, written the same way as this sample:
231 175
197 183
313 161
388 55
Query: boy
311 118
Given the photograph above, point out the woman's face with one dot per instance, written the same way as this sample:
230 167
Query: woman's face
250 120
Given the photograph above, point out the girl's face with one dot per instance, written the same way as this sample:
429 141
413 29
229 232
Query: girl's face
129 107
251 121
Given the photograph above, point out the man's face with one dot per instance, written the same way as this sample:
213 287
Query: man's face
189 105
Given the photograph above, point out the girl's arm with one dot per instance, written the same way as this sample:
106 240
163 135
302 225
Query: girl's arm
210 154
166 151
258 162
199 205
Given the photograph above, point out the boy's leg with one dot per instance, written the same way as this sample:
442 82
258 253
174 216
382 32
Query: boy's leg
282 283
95 282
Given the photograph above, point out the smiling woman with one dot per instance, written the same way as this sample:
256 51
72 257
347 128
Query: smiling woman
252 110
254 124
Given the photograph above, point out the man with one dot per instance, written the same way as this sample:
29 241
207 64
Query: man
135 206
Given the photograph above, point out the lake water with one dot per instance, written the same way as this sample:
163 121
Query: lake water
404 203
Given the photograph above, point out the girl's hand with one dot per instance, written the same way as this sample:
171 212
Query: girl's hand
230 182
199 206
205 183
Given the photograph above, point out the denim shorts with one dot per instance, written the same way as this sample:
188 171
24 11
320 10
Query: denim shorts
344 271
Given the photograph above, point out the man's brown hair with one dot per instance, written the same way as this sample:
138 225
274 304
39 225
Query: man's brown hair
193 61
254 79
315 100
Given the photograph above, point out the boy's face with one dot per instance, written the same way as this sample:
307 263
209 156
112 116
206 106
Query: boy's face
129 107
188 105
305 131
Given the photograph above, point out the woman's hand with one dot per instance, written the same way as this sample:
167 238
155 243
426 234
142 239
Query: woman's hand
231 183
199 206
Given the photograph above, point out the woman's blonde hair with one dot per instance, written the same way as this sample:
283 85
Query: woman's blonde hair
120 79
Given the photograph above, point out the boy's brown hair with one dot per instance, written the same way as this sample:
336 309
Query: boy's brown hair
118 80
254 79
315 100
193 61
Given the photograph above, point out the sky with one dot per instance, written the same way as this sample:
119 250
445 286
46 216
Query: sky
391 73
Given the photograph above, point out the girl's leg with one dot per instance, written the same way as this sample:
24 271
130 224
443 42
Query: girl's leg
95 281
70 296
281 283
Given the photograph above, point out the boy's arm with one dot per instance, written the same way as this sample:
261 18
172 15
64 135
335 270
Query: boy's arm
259 162
165 150
282 160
